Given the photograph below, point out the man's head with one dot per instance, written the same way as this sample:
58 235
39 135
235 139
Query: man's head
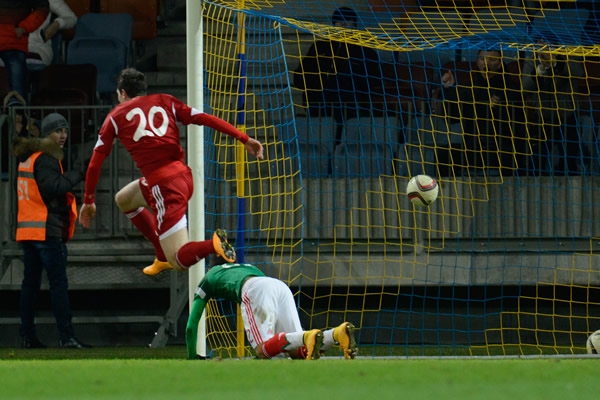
215 260
489 61
55 127
344 17
543 52
131 83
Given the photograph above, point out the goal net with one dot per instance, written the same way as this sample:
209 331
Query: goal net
498 103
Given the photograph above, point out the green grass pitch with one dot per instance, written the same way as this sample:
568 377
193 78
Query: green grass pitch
165 374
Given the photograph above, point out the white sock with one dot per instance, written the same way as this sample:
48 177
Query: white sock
295 340
327 339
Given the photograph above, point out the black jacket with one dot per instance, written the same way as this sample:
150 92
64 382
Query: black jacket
336 72
53 185
475 99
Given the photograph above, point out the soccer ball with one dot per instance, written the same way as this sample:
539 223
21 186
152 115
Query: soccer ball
422 190
593 343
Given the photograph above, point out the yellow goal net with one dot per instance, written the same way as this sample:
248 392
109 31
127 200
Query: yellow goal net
498 103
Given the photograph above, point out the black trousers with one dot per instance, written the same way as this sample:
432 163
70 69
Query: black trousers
49 255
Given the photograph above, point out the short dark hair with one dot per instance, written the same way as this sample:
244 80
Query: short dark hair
547 37
497 50
215 260
344 14
133 82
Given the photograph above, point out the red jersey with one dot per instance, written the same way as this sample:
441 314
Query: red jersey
147 128
29 15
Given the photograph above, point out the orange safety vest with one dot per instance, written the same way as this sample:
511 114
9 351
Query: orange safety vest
32 214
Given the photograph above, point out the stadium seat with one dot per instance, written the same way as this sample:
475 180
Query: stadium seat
366 148
79 7
415 159
144 15
102 40
417 78
406 86
315 137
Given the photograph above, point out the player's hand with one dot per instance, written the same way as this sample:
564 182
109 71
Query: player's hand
87 212
255 148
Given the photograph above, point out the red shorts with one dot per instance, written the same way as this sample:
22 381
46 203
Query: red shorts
168 199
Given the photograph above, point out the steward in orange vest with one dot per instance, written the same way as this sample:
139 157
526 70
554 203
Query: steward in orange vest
46 206
45 222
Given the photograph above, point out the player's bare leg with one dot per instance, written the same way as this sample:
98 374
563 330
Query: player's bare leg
130 196
131 201
171 245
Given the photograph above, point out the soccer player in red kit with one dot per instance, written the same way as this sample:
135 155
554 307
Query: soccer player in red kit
146 126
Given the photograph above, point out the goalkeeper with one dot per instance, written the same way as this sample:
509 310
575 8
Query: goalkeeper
270 317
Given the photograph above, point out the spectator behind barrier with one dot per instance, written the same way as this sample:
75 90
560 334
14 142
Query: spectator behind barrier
40 41
548 82
18 19
484 109
338 78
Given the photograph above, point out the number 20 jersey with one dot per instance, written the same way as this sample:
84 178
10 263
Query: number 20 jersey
147 128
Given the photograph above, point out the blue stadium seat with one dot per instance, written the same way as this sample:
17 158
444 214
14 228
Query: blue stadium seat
366 148
103 40
315 137
417 154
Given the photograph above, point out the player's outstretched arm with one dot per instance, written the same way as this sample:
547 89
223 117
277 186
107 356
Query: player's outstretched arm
188 115
191 330
255 148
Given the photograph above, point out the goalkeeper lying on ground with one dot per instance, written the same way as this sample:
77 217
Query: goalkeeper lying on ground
270 317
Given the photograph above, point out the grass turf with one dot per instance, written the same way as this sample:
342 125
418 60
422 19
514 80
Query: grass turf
164 374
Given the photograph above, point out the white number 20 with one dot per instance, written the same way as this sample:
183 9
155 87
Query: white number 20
148 121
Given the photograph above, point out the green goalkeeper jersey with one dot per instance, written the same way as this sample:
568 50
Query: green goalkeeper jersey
220 282
225 281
